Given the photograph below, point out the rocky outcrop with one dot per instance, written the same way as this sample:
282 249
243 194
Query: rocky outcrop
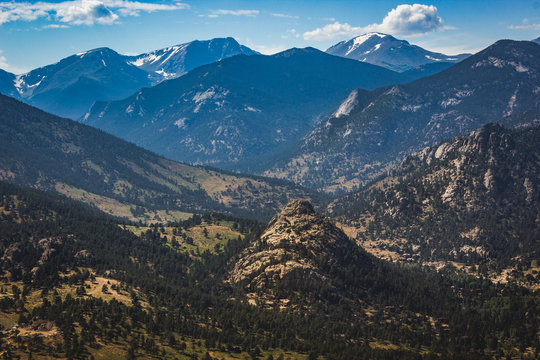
299 250
472 199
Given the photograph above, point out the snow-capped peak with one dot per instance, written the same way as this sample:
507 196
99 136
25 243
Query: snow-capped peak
158 57
359 40
175 61
101 51
387 51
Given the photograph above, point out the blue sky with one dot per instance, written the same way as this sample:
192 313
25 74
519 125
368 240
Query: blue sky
34 34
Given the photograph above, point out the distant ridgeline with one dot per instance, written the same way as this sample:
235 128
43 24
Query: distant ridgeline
241 112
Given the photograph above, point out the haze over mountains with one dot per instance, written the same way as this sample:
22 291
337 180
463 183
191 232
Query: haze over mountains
387 51
370 131
69 87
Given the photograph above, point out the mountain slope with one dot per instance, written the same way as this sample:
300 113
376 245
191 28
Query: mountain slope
174 61
7 85
381 127
69 87
474 200
239 111
387 51
48 152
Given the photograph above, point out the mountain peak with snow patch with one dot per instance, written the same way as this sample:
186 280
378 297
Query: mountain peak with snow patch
385 50
174 61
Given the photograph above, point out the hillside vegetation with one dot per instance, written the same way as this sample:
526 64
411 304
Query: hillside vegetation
77 284
472 200
48 152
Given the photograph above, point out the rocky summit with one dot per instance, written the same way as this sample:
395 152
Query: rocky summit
299 250
472 200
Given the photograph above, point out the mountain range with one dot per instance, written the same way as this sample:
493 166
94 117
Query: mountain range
387 51
109 250
69 87
241 111
371 131
41 150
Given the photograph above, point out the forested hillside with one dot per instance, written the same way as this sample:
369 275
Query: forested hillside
78 285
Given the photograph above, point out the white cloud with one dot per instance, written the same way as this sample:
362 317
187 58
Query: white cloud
5 66
405 19
56 26
79 12
285 16
86 12
410 19
268 49
217 13
3 61
525 26
331 31
291 33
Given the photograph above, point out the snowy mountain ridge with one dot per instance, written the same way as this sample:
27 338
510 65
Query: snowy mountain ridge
70 86
385 50
174 61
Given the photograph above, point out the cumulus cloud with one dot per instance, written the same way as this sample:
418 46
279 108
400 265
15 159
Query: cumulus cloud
217 13
331 31
405 19
410 19
80 12
86 12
